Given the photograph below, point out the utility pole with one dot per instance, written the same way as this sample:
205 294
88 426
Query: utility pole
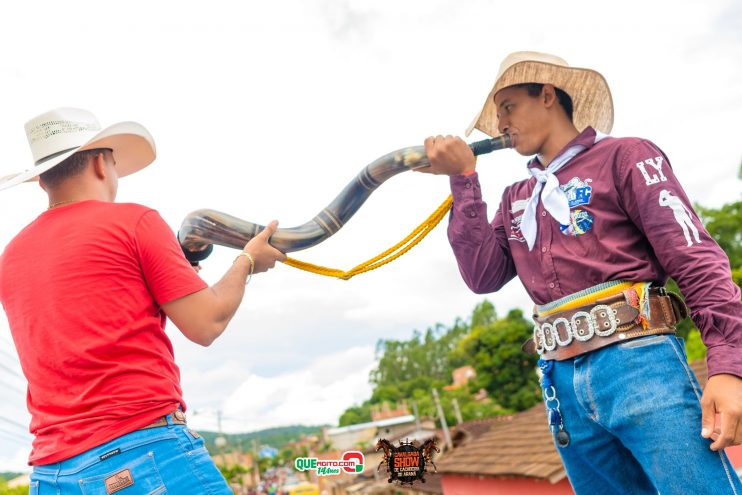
220 441
444 425
255 463
417 415
457 411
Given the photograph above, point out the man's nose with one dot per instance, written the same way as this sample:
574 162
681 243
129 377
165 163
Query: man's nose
503 126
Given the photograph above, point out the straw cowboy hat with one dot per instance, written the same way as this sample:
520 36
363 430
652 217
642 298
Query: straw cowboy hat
591 98
56 135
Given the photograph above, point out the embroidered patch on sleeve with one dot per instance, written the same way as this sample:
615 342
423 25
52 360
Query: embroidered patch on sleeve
516 213
656 164
682 216
118 481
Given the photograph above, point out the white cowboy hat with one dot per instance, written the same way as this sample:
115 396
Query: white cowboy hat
56 135
591 97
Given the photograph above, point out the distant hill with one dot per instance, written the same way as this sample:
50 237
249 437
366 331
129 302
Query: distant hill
6 476
275 437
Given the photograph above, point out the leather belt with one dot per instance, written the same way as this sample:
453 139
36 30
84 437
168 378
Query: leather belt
177 418
573 332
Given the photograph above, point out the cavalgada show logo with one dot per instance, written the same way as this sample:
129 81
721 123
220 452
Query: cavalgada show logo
408 462
351 462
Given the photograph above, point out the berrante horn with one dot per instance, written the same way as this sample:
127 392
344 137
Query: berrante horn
202 229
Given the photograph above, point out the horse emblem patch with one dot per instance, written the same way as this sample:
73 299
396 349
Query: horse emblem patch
407 463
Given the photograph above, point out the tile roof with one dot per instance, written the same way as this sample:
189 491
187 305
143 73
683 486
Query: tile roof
517 445
432 485
470 430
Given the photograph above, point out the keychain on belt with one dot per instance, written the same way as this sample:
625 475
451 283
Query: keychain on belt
556 423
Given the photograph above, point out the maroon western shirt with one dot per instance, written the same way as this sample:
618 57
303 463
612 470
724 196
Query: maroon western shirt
630 220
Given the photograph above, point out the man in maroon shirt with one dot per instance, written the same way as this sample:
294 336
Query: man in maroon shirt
593 236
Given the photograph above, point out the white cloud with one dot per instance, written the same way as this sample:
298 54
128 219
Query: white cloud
317 394
14 459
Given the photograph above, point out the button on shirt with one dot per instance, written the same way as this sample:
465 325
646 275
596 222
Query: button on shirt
629 220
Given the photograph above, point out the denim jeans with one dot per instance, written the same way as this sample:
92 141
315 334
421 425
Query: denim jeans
633 415
168 459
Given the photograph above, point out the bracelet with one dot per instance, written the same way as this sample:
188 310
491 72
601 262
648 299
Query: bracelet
252 264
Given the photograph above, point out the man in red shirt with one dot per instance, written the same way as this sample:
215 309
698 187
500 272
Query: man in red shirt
593 236
87 287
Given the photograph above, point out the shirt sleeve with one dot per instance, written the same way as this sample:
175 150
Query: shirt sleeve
168 274
657 204
481 248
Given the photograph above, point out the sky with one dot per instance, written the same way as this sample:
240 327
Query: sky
266 110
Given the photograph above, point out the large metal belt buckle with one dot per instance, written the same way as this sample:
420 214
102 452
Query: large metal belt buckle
601 321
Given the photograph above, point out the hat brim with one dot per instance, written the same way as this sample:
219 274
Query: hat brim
591 97
132 145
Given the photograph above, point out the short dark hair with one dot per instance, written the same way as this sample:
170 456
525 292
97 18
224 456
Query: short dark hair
70 167
534 89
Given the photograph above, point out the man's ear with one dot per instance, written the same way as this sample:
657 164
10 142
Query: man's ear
42 185
99 165
548 95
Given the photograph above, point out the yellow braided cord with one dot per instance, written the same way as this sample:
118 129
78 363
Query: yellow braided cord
387 256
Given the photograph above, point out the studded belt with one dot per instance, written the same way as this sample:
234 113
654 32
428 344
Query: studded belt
573 332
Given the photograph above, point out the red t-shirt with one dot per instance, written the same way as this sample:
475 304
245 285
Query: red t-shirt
82 287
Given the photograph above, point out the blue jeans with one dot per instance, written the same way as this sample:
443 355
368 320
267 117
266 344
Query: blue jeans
168 459
633 415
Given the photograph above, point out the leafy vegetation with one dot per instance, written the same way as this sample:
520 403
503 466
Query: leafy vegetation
18 490
274 437
408 370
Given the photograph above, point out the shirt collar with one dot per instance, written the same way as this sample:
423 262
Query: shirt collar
586 138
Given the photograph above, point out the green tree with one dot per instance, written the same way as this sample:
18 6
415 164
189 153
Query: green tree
233 473
724 224
419 363
503 369
356 414
18 490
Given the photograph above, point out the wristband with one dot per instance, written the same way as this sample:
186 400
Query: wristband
252 264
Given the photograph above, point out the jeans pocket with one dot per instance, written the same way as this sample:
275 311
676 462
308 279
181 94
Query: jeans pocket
141 474
33 488
643 341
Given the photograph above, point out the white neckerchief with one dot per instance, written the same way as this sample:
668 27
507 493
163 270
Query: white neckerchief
553 198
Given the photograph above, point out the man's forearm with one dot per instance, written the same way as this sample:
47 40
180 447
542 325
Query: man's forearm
229 291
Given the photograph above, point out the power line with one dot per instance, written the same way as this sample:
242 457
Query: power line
14 388
11 356
15 423
11 371
15 436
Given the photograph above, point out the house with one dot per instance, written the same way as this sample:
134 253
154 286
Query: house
352 436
